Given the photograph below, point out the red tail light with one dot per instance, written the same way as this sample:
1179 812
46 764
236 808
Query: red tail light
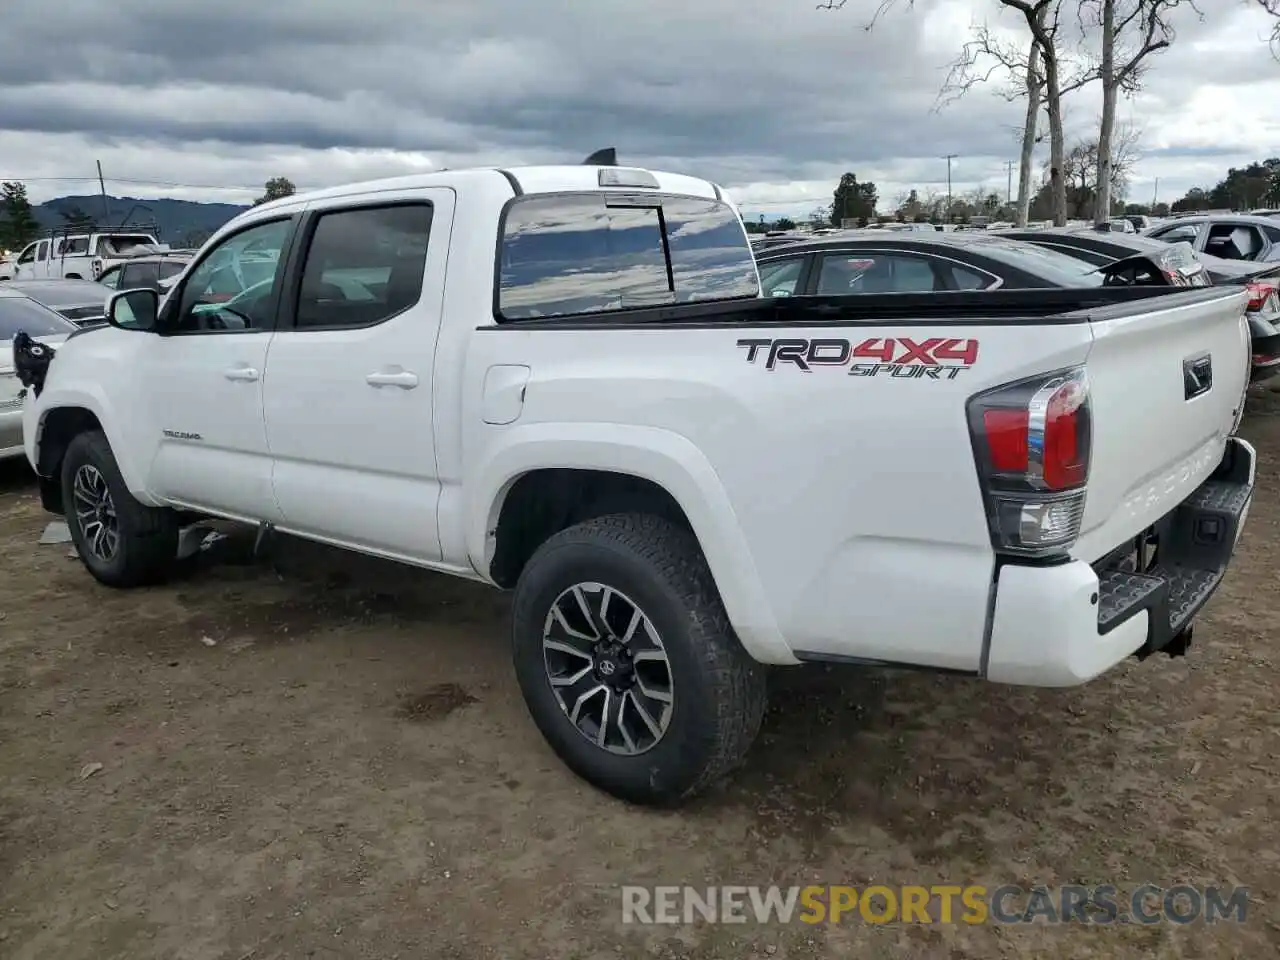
1263 297
1031 442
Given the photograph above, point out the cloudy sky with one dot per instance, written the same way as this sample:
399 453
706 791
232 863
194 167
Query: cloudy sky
773 98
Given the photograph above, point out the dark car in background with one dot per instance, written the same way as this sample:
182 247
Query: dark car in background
1262 279
83 302
151 272
878 262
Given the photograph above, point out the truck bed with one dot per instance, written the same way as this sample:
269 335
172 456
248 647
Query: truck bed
1048 305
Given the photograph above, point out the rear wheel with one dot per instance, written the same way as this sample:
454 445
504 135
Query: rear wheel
124 543
627 661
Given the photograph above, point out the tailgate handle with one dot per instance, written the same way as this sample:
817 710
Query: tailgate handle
1197 376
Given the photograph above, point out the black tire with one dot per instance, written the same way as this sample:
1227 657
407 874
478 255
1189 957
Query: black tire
148 536
718 691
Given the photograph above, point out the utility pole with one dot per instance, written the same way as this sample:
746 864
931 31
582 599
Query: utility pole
1155 196
1008 197
102 186
949 157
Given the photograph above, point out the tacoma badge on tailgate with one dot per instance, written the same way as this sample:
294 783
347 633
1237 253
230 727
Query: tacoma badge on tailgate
936 358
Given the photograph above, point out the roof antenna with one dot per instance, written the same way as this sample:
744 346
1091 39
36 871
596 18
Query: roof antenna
604 157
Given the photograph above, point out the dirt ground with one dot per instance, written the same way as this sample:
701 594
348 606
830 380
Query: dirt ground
326 756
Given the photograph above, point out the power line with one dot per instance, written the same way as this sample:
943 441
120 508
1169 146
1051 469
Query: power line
136 181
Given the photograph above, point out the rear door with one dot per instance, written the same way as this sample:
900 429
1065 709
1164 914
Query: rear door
1167 377
350 374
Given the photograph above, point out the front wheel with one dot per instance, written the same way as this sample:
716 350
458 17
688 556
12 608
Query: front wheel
627 661
123 543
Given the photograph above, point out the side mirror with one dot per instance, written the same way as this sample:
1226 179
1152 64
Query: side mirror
133 309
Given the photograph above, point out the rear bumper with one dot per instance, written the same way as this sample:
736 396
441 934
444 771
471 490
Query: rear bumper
1062 625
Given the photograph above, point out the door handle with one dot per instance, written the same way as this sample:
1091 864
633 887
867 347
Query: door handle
404 379
241 373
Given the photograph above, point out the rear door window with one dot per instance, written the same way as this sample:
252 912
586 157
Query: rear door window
139 276
1233 241
874 272
779 278
1186 232
566 254
1053 267
364 266
966 279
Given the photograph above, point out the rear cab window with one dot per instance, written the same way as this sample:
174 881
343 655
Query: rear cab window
565 254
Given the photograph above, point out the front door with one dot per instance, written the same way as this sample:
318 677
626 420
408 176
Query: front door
24 266
34 262
350 374
208 365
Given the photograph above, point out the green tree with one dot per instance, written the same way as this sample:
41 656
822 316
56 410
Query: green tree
276 188
853 200
18 224
1243 188
784 223
76 220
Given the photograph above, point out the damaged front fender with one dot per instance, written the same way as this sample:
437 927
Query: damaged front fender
31 361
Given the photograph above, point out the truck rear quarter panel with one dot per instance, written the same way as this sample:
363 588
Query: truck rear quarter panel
848 483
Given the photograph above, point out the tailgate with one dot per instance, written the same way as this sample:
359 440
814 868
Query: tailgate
1167 378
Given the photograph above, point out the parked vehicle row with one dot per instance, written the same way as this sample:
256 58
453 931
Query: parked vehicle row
81 256
952 452
1262 280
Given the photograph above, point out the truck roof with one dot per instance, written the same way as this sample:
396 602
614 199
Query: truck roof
530 179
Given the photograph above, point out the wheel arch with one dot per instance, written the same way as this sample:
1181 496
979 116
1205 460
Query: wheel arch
58 425
621 468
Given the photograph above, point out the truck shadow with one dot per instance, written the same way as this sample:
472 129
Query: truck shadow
16 476
940 768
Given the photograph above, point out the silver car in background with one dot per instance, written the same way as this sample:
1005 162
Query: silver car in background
83 302
20 312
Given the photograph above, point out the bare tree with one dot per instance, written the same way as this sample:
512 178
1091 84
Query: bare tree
1042 17
982 58
1043 20
1085 158
1273 7
1034 84
1132 30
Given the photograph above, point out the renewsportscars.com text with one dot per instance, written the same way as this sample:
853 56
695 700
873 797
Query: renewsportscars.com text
940 903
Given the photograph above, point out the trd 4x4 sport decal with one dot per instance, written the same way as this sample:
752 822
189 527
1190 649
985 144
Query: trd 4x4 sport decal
937 358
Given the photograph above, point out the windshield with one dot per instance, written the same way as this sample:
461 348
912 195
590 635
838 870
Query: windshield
19 313
1058 268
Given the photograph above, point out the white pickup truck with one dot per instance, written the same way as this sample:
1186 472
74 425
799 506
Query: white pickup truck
561 380
82 256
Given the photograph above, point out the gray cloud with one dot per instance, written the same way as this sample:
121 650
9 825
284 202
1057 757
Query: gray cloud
745 91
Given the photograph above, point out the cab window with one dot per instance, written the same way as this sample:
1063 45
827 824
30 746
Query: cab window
234 288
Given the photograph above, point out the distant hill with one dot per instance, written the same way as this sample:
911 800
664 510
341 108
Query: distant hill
176 222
